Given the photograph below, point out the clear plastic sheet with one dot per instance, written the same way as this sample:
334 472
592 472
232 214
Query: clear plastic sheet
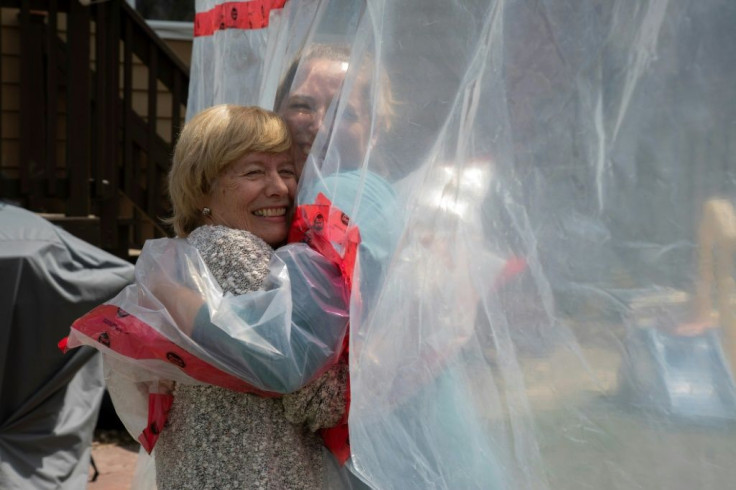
545 191
233 57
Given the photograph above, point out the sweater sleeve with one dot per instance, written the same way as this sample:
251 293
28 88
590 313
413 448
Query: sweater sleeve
284 336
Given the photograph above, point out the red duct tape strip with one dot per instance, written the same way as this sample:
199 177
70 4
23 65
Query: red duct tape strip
235 15
159 405
329 231
127 335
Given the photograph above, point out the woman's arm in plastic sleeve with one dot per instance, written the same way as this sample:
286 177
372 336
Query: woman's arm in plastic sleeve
287 345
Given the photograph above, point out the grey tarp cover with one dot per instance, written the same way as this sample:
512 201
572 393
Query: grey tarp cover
49 401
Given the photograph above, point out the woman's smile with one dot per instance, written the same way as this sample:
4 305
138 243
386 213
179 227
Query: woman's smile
270 212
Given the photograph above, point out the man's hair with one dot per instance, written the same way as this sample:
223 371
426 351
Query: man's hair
208 143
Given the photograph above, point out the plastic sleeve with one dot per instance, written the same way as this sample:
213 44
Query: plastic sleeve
282 350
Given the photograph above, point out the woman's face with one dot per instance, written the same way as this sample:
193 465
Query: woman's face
255 193
315 85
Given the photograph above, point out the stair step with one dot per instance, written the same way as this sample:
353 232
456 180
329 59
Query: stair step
85 227
62 218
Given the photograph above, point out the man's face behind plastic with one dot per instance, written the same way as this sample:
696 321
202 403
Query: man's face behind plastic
316 84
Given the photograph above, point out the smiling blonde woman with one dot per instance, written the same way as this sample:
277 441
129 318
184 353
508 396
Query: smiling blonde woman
232 187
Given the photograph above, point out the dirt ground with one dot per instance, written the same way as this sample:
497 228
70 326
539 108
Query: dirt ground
115 454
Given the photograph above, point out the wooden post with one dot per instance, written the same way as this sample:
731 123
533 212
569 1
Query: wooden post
52 97
32 105
78 110
107 124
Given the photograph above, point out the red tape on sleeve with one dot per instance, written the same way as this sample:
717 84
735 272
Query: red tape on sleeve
127 335
159 405
328 230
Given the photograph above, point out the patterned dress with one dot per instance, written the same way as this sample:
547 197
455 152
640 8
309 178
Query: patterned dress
221 439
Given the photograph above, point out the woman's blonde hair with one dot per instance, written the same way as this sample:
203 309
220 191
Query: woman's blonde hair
209 142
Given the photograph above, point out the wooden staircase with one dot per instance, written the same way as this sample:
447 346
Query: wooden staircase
91 157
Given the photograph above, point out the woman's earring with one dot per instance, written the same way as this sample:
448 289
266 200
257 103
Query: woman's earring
206 212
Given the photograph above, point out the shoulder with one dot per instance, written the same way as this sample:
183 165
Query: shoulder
222 234
221 239
237 258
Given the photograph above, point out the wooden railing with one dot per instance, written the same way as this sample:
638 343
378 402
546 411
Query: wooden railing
77 95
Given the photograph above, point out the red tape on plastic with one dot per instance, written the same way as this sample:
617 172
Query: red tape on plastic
159 405
127 335
235 15
328 231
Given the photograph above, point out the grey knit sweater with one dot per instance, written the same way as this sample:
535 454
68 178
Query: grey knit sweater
221 439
